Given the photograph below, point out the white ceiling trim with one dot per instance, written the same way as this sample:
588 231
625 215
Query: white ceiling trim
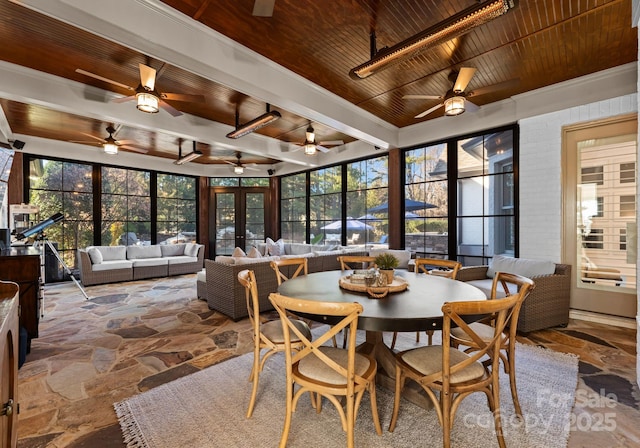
170 36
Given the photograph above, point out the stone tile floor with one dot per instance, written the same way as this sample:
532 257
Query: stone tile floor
131 337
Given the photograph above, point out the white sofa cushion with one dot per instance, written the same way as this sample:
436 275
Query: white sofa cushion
191 249
146 262
181 259
111 265
225 259
172 250
247 260
521 266
403 256
141 252
110 253
201 276
485 286
95 255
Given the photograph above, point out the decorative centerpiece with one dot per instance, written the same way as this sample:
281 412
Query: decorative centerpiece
386 263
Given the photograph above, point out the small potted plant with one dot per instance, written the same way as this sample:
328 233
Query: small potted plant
386 263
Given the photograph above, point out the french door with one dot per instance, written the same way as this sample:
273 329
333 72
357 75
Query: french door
238 218
600 226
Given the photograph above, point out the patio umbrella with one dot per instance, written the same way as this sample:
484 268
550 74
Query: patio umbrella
352 224
409 205
368 217
411 215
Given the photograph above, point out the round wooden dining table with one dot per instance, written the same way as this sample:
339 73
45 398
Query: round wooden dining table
418 308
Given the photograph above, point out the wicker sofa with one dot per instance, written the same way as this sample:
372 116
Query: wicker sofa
109 264
226 295
547 305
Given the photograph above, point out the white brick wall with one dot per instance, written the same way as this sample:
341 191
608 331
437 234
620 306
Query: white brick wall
540 173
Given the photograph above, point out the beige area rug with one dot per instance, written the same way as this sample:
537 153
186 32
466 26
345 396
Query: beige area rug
207 409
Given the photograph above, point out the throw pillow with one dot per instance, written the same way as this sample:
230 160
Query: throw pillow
275 248
238 252
254 253
95 255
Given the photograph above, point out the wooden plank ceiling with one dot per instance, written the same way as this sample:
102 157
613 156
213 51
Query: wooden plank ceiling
536 44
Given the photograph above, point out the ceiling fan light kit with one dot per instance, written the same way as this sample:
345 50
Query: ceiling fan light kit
454 106
147 102
255 124
453 27
238 169
310 149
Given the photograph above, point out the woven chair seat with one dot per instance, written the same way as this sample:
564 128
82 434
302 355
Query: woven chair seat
428 360
273 331
314 368
483 330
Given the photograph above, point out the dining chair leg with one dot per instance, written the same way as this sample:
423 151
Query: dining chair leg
495 390
254 377
374 408
393 340
400 379
430 336
511 362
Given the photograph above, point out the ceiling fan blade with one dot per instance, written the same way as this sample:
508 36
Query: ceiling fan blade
169 108
322 148
124 99
463 79
428 111
331 143
85 142
147 77
251 168
133 149
471 107
102 78
422 97
183 97
100 139
493 87
263 8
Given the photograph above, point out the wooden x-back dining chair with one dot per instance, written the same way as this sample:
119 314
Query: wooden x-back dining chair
511 284
301 266
453 373
348 262
326 371
443 268
267 335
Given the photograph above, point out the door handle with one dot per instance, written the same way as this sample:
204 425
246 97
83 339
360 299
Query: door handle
7 408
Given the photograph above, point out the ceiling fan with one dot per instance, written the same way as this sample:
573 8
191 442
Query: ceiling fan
263 8
239 167
455 101
109 144
148 98
311 146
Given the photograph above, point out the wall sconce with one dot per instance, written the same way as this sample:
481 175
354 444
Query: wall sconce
453 27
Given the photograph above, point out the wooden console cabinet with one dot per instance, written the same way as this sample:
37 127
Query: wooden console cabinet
22 266
9 335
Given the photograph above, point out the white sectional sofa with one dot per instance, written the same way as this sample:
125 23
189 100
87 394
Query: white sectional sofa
108 264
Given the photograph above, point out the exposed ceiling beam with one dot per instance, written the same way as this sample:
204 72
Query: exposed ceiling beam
154 29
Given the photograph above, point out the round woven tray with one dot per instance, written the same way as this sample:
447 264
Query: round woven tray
378 292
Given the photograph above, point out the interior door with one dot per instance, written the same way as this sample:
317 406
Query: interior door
599 194
240 218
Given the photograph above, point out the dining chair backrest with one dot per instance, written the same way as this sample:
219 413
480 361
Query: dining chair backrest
247 279
349 262
451 267
300 265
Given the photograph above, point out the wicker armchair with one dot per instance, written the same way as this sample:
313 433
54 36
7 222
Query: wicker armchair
547 305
